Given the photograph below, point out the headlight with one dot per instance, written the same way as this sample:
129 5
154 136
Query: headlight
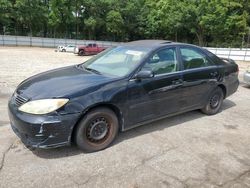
42 106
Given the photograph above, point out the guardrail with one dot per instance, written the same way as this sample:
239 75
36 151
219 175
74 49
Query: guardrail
238 54
9 40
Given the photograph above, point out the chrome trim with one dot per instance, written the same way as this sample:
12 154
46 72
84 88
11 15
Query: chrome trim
19 100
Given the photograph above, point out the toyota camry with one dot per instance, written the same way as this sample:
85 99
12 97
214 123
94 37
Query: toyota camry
121 88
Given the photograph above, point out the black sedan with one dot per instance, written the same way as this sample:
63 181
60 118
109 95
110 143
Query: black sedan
121 88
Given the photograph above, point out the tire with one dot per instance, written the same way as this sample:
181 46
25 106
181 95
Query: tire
81 53
63 50
97 130
214 102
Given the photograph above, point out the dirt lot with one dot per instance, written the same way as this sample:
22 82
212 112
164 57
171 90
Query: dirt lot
189 150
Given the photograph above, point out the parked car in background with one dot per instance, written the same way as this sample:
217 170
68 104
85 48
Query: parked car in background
67 48
246 77
123 87
90 49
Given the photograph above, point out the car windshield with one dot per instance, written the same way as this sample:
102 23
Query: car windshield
116 61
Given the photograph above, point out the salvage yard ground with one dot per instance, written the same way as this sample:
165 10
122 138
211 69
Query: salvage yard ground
188 150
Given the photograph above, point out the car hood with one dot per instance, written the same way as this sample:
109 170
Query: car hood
62 82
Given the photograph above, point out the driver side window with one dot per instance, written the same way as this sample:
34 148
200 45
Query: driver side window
162 62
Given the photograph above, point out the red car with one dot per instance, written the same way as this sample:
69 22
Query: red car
90 49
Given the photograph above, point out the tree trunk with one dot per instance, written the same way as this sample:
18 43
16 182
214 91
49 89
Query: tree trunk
30 21
200 38
45 30
77 30
89 34
199 35
30 27
77 26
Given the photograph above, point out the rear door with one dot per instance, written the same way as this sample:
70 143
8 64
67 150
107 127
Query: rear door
157 96
200 75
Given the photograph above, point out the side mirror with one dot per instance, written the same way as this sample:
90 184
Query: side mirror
144 74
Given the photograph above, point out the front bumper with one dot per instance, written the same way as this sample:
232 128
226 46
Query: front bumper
42 131
246 78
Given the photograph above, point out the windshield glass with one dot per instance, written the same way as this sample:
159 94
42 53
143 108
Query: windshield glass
116 61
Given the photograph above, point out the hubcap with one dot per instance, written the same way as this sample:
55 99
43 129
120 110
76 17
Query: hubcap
97 130
214 101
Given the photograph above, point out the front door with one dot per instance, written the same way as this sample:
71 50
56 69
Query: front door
154 97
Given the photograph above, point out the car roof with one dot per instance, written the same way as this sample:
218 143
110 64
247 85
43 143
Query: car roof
147 43
154 44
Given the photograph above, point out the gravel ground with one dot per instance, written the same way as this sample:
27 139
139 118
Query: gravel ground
188 150
20 63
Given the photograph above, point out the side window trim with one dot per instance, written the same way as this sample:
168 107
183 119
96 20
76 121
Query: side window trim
168 73
199 68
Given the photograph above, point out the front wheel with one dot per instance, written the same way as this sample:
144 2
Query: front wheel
81 53
214 102
97 130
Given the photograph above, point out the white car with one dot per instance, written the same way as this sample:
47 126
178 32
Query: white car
68 48
246 77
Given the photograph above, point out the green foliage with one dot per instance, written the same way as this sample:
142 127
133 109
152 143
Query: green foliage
90 25
30 14
5 7
198 21
115 23
203 22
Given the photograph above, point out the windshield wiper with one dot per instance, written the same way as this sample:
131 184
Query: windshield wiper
92 70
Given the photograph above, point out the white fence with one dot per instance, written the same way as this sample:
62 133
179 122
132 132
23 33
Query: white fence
233 53
9 40
238 54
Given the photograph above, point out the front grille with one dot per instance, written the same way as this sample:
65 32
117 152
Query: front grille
19 100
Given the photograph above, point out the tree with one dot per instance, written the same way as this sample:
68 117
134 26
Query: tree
225 21
5 15
219 20
31 14
203 22
164 19
115 24
90 24
61 16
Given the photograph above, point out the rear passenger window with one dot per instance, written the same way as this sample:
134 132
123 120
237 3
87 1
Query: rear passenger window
193 59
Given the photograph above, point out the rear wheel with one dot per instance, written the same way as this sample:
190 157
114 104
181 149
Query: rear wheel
63 50
97 130
214 102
